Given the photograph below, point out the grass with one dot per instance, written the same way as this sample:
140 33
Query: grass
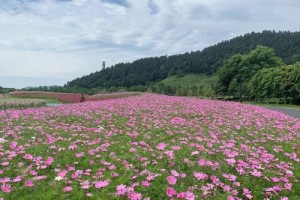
191 80
120 141
20 103
285 106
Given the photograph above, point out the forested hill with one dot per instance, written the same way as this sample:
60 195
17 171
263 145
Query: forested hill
207 61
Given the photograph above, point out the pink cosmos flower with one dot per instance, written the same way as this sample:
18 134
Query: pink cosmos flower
121 190
6 188
201 162
275 179
174 173
200 176
231 161
32 172
284 198
17 179
146 184
171 180
79 155
4 164
101 184
49 160
68 189
13 144
182 175
28 183
134 196
62 173
256 173
171 192
161 146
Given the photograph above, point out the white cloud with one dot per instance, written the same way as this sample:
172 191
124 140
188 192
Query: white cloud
70 38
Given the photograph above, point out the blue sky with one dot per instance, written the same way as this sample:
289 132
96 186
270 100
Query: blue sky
49 42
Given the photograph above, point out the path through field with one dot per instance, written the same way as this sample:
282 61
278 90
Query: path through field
289 111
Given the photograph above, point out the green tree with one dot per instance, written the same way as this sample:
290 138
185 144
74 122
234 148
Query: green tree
239 69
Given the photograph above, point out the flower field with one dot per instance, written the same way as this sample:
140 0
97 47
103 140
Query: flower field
149 147
14 103
106 96
62 97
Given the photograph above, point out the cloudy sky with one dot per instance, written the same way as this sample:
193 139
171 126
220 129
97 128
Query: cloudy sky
49 42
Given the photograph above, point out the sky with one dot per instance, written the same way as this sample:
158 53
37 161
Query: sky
50 42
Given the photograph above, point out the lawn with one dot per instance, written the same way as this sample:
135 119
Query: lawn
191 80
149 147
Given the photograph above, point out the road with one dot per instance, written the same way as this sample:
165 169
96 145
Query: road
289 111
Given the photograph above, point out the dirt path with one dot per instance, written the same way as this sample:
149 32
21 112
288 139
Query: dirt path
289 111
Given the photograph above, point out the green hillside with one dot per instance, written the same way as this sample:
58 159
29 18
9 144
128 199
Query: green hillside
189 80
145 71
188 85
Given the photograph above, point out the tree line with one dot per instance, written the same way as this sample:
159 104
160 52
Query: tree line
208 61
259 74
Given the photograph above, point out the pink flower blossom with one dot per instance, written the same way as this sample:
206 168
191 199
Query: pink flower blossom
171 180
28 183
171 192
161 146
121 190
101 184
134 196
200 175
6 188
68 189
49 161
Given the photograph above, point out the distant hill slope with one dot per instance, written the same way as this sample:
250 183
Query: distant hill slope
207 61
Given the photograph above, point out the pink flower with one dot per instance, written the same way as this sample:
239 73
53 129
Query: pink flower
146 184
134 196
17 179
101 184
68 189
256 173
231 161
28 183
6 188
200 176
171 192
171 180
247 193
32 172
230 197
189 196
121 190
284 198
174 173
288 186
79 155
275 179
49 160
161 146
182 175
201 162
62 173
13 145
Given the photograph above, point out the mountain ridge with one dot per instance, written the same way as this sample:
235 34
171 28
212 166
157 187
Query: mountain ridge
154 69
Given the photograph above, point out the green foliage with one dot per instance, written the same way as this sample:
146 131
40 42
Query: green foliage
191 85
238 69
280 82
207 61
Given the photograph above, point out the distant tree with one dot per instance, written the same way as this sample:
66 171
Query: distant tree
239 69
280 82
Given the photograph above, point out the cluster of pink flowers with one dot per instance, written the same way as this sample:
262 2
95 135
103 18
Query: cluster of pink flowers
150 147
